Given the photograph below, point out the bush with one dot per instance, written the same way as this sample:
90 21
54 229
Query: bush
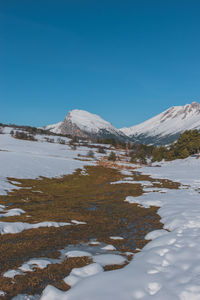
21 135
61 141
134 159
112 156
74 139
49 140
143 160
90 154
101 150
184 153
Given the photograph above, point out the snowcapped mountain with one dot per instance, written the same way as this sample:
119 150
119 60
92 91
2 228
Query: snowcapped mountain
161 129
166 127
84 124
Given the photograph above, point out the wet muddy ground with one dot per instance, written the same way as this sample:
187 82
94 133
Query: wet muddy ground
88 198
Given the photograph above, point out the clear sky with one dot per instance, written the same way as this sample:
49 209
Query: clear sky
124 60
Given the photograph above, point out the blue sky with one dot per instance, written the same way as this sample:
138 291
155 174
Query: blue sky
124 60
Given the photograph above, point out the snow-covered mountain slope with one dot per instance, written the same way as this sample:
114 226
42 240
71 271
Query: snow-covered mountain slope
84 124
55 128
166 126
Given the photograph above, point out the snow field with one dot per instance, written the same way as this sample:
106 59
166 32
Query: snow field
29 159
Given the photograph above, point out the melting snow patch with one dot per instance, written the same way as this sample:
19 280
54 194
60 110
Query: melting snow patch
84 172
154 189
12 273
32 263
94 243
128 178
16 227
14 182
125 172
78 222
2 207
12 212
116 238
146 200
146 183
109 259
122 181
76 253
109 247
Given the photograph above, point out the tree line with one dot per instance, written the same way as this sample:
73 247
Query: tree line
187 144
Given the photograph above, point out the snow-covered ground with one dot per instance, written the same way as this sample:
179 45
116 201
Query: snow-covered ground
29 159
185 171
168 267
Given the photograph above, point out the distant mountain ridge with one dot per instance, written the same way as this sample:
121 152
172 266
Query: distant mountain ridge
161 129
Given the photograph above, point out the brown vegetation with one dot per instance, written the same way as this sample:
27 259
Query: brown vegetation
62 200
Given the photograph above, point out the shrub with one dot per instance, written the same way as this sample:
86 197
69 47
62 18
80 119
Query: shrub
184 153
90 154
21 135
133 159
101 150
112 156
61 141
49 140
143 160
75 139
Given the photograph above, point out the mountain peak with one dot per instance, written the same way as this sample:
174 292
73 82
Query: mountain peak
85 124
169 123
87 121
